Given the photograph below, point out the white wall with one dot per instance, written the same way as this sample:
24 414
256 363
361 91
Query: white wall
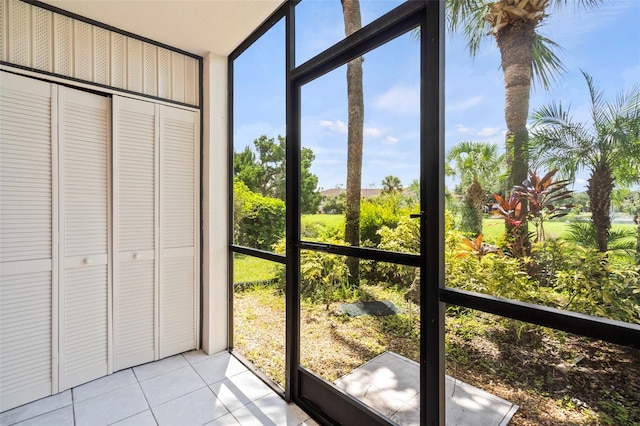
215 201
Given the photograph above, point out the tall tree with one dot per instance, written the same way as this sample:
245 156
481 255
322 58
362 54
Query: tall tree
264 173
608 146
525 54
478 166
391 185
352 23
636 218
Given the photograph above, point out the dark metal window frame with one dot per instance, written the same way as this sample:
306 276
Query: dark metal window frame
303 386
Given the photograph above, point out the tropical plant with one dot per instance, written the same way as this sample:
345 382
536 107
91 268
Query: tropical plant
584 234
391 185
609 147
594 285
637 220
405 237
476 247
477 165
355 100
384 210
525 54
510 209
543 196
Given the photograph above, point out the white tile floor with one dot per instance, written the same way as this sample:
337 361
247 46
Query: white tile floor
188 389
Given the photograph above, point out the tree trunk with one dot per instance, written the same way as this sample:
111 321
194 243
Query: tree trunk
516 50
637 219
352 23
599 191
474 199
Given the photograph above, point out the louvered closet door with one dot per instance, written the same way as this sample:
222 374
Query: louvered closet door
84 132
179 240
135 222
27 240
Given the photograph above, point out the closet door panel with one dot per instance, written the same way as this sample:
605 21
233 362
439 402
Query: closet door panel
84 129
178 230
27 240
135 223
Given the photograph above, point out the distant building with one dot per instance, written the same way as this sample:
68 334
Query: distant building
366 193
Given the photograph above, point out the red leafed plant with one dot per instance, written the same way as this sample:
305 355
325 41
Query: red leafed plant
510 209
545 199
476 247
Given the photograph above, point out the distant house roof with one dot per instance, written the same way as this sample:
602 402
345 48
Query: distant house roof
365 192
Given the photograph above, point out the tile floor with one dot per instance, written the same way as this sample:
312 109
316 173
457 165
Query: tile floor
188 389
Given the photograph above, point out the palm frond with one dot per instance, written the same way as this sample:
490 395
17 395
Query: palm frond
467 16
584 233
599 107
586 4
546 64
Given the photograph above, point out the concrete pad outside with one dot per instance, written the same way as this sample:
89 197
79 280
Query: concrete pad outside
390 384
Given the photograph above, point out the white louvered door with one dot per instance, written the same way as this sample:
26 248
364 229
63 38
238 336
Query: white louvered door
27 240
84 313
179 237
135 172
82 293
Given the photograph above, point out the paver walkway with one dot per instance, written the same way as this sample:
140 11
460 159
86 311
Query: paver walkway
390 384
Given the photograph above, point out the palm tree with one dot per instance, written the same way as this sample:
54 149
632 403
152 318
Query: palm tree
352 23
391 185
478 166
524 54
608 146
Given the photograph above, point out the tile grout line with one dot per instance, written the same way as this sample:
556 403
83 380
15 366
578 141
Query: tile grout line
145 396
73 406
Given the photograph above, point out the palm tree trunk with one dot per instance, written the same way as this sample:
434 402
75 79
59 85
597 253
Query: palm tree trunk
516 49
474 198
637 219
352 23
599 191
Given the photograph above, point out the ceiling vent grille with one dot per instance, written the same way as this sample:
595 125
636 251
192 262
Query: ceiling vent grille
42 40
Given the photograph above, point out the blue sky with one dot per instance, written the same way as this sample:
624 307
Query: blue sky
604 42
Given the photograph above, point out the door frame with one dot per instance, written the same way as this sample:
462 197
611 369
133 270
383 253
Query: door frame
303 386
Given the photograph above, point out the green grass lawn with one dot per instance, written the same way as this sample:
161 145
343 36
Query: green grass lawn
493 229
251 269
328 220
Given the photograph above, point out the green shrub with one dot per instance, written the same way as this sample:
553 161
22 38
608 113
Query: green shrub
405 237
323 277
384 210
258 221
493 274
334 204
594 285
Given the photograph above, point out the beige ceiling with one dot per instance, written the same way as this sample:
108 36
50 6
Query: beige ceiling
197 26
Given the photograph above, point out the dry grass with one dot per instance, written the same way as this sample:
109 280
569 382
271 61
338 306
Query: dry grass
513 362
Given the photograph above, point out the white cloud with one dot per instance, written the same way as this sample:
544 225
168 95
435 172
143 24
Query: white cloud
400 99
390 140
466 104
462 129
337 126
372 132
488 131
